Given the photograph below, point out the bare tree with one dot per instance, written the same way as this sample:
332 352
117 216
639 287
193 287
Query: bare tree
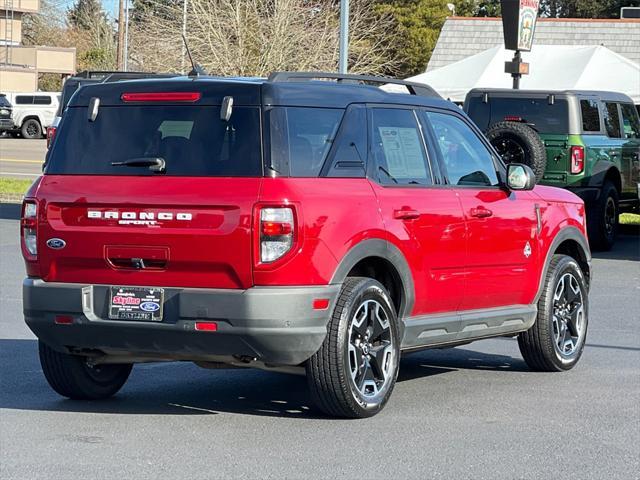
256 37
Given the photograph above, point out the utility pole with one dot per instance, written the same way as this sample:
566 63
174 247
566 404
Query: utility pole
184 34
344 36
125 61
120 49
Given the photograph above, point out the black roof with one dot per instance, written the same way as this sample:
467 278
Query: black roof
261 91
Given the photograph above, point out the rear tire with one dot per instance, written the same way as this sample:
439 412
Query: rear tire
355 370
519 143
603 218
556 340
72 377
31 129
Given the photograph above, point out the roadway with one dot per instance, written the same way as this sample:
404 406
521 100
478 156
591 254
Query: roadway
20 158
472 412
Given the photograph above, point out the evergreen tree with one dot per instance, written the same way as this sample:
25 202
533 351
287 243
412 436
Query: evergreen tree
584 8
86 14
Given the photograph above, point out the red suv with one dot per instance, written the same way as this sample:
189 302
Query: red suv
290 224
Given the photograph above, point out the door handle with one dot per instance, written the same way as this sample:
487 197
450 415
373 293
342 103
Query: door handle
481 212
406 214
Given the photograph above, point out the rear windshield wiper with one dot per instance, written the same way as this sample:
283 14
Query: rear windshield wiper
155 164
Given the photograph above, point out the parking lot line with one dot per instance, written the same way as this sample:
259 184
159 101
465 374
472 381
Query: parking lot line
20 174
16 160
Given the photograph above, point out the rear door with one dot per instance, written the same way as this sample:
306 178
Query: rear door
422 216
124 221
501 224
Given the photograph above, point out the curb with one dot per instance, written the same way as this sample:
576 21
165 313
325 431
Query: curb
11 198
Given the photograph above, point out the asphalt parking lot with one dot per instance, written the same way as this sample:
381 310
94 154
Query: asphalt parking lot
471 412
21 158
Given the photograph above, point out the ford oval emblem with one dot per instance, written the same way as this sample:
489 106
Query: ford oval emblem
56 243
149 306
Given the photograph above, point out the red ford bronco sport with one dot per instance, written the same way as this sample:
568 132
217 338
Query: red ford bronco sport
290 224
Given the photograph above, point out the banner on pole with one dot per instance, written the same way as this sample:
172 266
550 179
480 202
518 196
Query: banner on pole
519 19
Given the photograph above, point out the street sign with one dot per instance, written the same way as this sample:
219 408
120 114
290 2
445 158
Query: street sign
519 19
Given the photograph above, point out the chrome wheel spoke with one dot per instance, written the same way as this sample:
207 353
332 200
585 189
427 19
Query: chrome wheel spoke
379 323
367 379
379 359
361 320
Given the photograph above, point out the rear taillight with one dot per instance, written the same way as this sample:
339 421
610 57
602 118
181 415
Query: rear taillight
577 159
29 225
51 133
276 232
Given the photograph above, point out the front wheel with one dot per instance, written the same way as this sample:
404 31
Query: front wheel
355 370
71 376
556 340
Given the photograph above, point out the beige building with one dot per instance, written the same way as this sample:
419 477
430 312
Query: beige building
20 65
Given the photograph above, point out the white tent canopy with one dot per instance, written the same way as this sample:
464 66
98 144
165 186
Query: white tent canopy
552 67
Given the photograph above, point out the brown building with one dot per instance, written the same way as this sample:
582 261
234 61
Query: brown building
20 65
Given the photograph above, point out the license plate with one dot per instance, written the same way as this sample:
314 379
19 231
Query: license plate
136 303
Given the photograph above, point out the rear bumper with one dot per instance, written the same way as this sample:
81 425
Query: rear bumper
274 325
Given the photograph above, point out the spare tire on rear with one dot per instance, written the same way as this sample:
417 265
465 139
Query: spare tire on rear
519 143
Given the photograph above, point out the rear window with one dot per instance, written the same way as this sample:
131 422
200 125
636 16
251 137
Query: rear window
545 117
192 141
301 137
590 115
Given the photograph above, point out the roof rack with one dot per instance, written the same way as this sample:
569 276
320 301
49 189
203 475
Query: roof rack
413 88
115 75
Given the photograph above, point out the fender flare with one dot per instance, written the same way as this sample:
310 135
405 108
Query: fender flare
600 170
386 250
29 116
566 233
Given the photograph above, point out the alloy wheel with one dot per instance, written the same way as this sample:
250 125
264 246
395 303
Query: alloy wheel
568 316
32 129
510 150
371 353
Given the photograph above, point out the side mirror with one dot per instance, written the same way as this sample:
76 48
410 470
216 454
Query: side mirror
520 177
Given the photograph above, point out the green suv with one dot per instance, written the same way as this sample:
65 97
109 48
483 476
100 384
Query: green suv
584 141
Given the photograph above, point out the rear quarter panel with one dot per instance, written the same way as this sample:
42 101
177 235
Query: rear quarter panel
334 214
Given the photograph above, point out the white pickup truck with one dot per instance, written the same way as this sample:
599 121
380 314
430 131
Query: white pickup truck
33 112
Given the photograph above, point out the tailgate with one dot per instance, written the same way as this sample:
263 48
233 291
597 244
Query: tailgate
558 153
151 231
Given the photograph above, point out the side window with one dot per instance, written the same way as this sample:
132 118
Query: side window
42 100
301 138
612 120
467 160
590 115
630 121
348 159
397 148
24 100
